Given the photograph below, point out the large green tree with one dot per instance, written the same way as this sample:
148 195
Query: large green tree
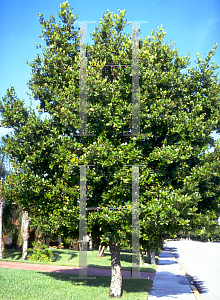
179 109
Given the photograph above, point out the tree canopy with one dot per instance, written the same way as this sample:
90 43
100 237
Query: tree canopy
179 109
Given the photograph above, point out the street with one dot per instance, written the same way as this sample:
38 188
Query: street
201 260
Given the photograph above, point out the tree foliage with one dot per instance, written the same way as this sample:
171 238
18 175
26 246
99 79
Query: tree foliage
179 109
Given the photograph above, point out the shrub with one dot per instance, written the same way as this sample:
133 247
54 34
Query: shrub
209 234
40 252
60 246
67 242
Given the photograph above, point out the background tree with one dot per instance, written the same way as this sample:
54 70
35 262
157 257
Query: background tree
178 112
11 220
3 174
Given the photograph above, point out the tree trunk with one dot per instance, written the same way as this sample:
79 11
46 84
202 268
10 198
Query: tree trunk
1 240
75 245
151 256
101 251
90 242
59 240
48 242
142 262
25 225
116 278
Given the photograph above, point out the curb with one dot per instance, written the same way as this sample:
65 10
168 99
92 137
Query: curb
188 279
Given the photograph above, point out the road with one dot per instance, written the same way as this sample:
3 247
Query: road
201 261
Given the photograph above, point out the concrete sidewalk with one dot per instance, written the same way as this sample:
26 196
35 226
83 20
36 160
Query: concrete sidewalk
169 283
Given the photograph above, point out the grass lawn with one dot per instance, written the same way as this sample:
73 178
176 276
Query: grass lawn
66 257
32 285
26 284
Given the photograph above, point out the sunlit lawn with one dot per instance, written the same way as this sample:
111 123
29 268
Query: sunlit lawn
32 285
66 257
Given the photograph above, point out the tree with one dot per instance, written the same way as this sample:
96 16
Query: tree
178 112
11 220
1 240
25 226
3 174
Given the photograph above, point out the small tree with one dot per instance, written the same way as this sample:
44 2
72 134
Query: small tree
39 253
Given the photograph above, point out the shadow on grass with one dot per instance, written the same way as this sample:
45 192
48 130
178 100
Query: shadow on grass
12 254
17 255
125 257
142 269
57 255
128 285
73 255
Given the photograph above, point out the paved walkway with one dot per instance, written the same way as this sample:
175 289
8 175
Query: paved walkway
67 270
169 283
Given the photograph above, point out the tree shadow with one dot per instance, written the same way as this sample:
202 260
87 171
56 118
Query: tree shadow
125 257
128 285
174 250
73 255
200 286
142 268
168 285
12 254
57 255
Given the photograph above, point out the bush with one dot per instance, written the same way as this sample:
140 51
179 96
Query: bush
210 234
67 243
61 246
40 252
216 234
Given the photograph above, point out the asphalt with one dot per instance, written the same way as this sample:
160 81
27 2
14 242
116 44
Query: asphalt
201 262
170 281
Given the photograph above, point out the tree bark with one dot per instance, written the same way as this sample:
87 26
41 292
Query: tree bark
90 242
116 278
25 225
151 256
101 251
142 262
75 245
1 212
59 240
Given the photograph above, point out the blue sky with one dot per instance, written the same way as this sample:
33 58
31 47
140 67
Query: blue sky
192 25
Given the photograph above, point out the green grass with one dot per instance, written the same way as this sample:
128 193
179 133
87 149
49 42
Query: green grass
66 257
32 285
